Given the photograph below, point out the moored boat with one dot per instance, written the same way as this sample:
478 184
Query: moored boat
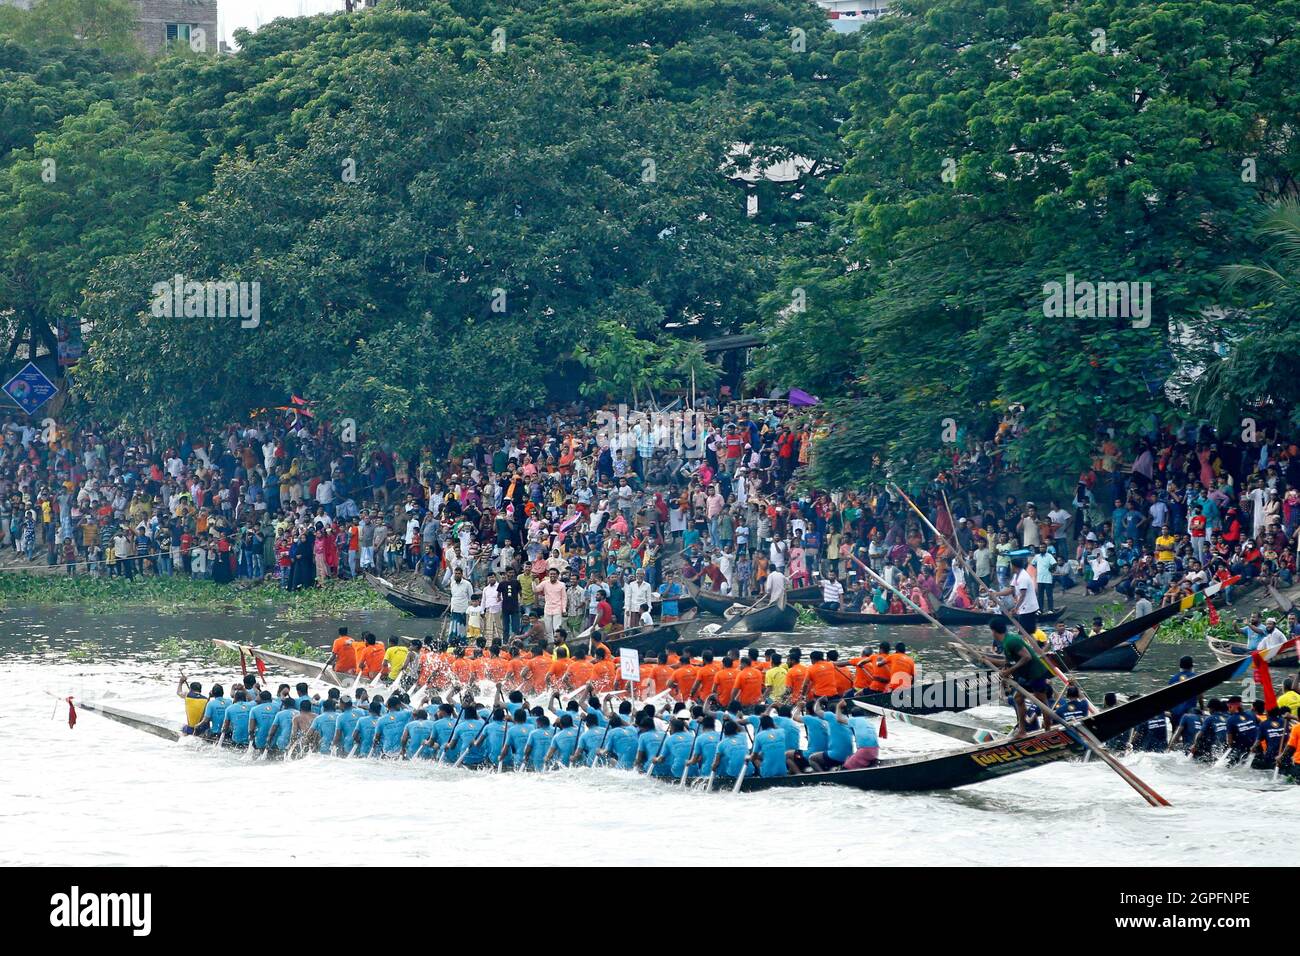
767 617
842 618
651 639
428 604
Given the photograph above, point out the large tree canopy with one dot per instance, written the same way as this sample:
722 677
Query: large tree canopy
997 147
438 201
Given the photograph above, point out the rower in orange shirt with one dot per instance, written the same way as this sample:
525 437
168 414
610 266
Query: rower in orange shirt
843 674
749 684
901 663
603 672
656 678
684 680
580 669
344 653
462 667
705 674
796 678
821 676
496 666
557 668
880 669
861 673
371 658
724 681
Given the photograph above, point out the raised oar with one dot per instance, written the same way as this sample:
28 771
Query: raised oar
1080 733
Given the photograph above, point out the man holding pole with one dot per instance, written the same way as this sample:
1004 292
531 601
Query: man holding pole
1025 668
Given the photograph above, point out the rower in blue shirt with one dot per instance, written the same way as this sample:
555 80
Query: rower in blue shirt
705 747
493 737
815 728
281 734
769 749
1152 736
416 734
324 726
620 744
261 717
785 723
1272 738
441 726
732 751
1243 728
517 735
590 741
214 714
1185 672
564 743
676 749
649 742
1213 736
235 724
347 723
1188 728
367 730
1072 706
465 740
391 726
538 745
839 738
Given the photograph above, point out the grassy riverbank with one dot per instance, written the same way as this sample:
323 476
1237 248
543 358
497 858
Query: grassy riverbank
183 594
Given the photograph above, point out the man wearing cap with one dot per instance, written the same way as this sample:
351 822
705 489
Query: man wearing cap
1274 636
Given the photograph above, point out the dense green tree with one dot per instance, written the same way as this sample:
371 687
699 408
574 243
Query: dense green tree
995 148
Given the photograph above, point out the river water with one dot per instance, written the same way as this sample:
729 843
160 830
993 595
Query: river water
104 793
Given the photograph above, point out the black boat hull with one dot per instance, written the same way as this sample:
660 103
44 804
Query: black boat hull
985 762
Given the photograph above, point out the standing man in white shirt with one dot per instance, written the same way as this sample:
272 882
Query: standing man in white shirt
1044 565
832 591
1025 596
461 593
775 589
636 594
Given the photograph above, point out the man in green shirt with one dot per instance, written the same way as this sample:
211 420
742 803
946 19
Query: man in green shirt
1024 667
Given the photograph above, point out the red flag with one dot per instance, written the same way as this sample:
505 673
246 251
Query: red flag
884 731
1264 678
261 666
72 714
1214 614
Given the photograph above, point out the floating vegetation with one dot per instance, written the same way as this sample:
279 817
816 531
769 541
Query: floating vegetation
175 594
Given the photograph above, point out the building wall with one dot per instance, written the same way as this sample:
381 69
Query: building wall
156 14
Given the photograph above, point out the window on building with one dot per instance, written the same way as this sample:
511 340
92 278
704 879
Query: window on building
179 32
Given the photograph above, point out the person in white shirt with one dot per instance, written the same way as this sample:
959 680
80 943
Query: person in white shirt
775 589
1274 637
832 591
1024 594
1044 564
492 608
458 611
636 595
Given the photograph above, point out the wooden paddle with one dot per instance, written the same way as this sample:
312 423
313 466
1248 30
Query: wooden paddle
1080 733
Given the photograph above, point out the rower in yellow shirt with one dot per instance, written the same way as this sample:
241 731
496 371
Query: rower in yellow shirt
395 658
1290 699
774 678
